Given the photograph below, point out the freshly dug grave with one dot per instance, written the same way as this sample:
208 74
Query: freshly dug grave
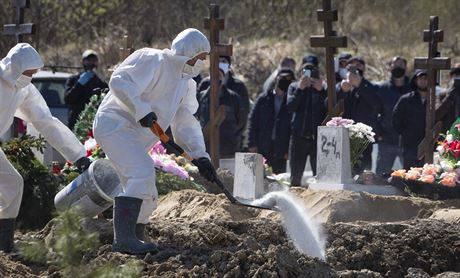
203 235
324 206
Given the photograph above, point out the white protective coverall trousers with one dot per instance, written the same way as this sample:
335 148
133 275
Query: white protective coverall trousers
150 80
25 101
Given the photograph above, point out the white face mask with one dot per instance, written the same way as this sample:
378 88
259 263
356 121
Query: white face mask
23 81
224 67
192 71
343 73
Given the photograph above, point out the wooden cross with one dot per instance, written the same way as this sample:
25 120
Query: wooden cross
215 24
330 41
127 48
18 29
432 64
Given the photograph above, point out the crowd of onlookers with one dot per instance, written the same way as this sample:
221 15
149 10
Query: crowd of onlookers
281 124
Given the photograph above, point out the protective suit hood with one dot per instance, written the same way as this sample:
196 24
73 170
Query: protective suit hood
189 43
20 58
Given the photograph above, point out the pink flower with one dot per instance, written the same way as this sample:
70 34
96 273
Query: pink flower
158 149
458 127
429 169
412 174
427 178
339 121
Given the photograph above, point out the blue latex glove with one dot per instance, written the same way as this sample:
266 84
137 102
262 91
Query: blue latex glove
85 77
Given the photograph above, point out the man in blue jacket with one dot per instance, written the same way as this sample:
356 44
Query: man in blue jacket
389 92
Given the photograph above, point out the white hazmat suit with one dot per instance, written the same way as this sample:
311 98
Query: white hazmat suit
20 98
150 80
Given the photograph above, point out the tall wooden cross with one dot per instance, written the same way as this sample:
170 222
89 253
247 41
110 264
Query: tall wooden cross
18 29
432 64
215 24
330 41
127 48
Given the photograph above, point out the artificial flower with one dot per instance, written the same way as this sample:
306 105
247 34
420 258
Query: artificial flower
427 178
412 175
399 173
339 121
429 169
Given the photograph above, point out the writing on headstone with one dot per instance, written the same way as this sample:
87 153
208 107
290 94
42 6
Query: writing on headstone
333 155
329 146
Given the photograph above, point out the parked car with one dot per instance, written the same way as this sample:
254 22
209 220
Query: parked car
52 87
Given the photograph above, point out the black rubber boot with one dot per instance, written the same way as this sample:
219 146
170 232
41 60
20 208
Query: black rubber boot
7 227
125 213
140 231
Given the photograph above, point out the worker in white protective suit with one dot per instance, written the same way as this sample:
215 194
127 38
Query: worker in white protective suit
20 98
150 86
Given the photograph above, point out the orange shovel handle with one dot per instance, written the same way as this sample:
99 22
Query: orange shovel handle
158 131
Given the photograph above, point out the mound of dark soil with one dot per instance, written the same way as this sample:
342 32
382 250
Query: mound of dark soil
391 249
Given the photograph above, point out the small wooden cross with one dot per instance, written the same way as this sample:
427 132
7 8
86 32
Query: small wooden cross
330 41
215 24
432 64
18 29
127 48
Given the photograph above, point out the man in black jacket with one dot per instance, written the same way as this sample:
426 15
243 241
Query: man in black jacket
362 104
389 92
236 85
81 87
449 99
270 82
269 123
409 119
306 100
230 128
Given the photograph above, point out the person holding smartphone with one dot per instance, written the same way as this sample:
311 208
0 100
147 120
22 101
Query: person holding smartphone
362 104
306 101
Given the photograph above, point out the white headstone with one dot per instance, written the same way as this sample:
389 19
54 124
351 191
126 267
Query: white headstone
249 176
333 155
333 164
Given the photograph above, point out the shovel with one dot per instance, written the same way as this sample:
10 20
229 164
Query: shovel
158 131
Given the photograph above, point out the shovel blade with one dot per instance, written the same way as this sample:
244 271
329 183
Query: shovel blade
248 203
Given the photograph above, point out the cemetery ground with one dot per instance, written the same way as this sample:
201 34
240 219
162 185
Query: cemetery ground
203 235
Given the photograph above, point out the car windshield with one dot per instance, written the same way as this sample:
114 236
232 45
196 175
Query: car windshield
52 90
